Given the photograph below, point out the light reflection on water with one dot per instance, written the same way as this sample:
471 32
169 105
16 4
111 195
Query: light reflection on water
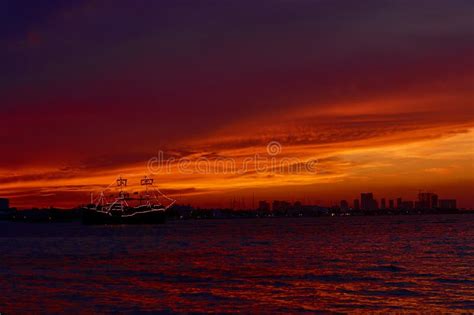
347 264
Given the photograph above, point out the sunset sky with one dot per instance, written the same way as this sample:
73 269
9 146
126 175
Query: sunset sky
379 93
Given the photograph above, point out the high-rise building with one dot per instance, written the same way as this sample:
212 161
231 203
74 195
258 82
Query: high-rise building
368 202
344 205
382 203
356 204
428 200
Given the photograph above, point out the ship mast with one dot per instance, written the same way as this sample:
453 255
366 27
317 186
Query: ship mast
147 182
121 183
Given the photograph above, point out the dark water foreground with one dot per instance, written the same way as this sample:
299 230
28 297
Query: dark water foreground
353 264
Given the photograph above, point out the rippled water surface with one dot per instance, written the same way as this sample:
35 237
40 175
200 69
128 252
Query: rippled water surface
347 264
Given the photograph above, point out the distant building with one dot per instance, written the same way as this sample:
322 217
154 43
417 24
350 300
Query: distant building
356 204
399 203
434 201
296 209
391 204
4 204
344 205
428 200
407 205
181 211
382 203
280 206
447 204
368 202
313 210
263 206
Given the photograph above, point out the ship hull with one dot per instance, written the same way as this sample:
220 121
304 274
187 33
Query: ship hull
93 217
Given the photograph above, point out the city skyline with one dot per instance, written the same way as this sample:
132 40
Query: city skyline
366 202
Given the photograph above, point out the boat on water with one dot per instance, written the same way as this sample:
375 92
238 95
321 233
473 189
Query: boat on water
147 207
